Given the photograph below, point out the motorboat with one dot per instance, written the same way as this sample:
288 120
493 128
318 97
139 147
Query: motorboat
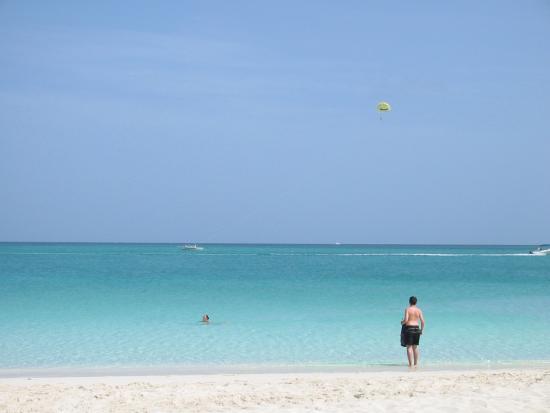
542 250
192 247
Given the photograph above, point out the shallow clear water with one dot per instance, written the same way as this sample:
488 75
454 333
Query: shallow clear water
82 305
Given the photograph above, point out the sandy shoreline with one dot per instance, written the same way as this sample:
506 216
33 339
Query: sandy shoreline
508 389
229 369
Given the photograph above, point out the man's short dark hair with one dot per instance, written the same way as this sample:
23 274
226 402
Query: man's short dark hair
412 300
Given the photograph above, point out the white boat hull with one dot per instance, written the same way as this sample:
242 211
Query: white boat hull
192 248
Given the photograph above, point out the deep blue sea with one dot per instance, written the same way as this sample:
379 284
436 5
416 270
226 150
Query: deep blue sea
112 305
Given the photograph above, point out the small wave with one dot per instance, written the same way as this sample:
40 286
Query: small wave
221 254
373 254
351 254
60 253
419 254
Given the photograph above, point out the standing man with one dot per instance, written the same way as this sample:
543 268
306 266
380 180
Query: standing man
413 315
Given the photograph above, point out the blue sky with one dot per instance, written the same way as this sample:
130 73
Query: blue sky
249 121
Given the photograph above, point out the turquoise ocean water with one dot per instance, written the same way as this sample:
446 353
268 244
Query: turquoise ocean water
132 305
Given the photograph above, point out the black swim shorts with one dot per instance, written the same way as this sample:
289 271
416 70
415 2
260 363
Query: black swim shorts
412 335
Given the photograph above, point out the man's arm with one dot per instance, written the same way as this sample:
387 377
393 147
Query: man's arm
422 322
405 317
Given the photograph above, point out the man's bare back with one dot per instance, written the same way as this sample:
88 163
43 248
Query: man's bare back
413 315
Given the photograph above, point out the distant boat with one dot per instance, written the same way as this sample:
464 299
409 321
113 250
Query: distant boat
542 250
192 247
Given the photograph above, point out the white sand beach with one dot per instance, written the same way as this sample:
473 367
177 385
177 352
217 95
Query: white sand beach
498 390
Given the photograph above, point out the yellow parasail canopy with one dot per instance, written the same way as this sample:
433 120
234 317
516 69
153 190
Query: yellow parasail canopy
383 107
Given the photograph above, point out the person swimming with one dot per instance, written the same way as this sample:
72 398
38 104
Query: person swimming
205 318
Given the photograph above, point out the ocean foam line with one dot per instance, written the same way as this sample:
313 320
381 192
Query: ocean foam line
60 253
428 254
388 254
261 368
90 253
366 254
419 254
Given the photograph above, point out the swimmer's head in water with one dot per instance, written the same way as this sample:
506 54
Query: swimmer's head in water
205 317
412 300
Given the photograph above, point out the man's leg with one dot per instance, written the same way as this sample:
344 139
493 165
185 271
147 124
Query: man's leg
410 355
416 354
